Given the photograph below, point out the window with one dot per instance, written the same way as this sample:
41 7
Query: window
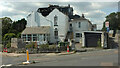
55 20
40 37
79 24
70 25
56 33
29 37
44 37
24 37
34 37
78 35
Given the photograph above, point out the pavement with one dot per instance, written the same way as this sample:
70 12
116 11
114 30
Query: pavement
83 57
47 54
92 58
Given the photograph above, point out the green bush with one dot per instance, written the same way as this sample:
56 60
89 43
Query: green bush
8 45
99 43
8 36
32 45
64 43
52 47
44 46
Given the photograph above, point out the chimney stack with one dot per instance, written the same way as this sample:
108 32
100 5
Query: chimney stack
83 16
68 5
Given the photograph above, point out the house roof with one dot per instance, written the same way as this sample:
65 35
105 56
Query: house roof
47 10
81 18
37 30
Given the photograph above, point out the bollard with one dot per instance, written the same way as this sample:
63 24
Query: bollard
27 53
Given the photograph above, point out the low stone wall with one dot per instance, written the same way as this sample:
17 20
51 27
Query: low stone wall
35 50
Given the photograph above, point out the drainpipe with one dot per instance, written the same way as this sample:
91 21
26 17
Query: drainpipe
83 39
51 25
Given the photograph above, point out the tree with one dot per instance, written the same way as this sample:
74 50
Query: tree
104 28
113 19
11 29
18 26
8 36
6 25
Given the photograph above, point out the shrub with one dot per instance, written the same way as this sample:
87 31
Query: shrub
8 36
44 46
99 43
64 43
8 45
31 45
52 47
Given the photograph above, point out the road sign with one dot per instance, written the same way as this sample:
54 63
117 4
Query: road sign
108 29
107 24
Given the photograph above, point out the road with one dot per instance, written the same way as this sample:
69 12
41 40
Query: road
94 58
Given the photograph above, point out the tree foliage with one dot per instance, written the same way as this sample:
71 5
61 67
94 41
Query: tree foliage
18 26
8 36
6 25
114 21
12 29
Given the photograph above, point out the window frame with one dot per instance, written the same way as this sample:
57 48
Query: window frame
78 35
55 20
79 24
56 33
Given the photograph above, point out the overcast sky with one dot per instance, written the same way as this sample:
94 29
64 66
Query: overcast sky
94 11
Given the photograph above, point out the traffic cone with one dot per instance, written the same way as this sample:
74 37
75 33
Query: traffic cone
6 50
68 48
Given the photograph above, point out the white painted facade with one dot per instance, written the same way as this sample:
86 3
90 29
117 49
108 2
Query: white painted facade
62 22
35 19
80 25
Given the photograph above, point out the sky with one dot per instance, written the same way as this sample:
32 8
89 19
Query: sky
94 11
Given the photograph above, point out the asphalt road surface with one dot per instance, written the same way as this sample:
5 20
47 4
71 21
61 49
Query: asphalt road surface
94 58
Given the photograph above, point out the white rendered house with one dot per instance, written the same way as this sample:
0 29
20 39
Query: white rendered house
57 21
78 26
53 24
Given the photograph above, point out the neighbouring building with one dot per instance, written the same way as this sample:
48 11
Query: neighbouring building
55 23
94 27
78 26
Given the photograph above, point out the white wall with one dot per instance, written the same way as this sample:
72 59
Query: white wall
36 19
31 20
62 24
85 26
